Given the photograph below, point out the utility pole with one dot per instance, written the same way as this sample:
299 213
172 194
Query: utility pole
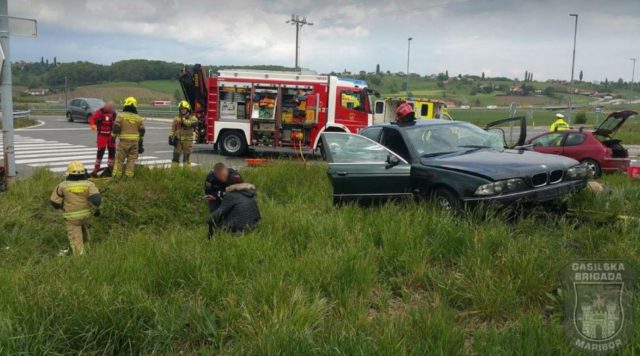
6 96
573 64
298 22
408 57
66 90
633 75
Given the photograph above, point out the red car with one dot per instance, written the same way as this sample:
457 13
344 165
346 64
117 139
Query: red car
597 149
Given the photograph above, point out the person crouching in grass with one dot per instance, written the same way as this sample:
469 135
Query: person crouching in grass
239 210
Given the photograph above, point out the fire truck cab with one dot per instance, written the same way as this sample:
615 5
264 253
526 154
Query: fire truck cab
385 109
240 109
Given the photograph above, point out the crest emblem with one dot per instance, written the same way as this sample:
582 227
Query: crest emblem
598 304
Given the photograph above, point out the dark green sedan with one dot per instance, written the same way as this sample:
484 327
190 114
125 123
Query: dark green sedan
456 163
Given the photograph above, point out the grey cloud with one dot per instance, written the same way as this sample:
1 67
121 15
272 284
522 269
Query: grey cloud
503 37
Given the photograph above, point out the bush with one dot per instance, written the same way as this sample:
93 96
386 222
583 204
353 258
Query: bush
581 118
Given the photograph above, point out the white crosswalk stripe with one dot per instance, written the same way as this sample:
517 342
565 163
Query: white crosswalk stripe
55 155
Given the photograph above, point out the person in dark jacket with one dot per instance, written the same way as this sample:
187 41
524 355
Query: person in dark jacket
239 209
215 184
214 188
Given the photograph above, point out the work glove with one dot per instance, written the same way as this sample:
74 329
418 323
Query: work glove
93 127
173 140
140 147
97 213
113 140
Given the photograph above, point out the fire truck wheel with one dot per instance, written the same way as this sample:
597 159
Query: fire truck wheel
233 143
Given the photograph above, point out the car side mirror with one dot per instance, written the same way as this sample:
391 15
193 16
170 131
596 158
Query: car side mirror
85 107
392 161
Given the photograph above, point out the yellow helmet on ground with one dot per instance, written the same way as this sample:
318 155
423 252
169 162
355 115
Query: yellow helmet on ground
130 101
75 168
184 105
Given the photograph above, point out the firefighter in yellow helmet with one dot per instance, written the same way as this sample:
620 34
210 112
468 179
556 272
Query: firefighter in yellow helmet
559 124
181 134
129 128
77 197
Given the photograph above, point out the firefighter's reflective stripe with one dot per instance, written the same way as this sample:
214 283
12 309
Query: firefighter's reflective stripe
130 137
77 214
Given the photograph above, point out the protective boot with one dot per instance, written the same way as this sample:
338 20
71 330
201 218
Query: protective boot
175 161
96 166
112 155
186 161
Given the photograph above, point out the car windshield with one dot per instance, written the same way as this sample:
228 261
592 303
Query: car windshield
433 140
95 103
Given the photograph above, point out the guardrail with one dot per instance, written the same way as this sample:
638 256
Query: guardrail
21 114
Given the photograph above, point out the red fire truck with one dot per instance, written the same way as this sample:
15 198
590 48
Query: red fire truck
239 109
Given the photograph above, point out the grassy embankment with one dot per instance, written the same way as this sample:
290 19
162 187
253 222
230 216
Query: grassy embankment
312 278
20 123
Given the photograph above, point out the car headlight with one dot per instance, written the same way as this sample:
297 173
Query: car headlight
577 172
501 186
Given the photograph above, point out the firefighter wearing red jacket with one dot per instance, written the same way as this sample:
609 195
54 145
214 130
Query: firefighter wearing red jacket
102 121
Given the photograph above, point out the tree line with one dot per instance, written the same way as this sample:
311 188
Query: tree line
52 74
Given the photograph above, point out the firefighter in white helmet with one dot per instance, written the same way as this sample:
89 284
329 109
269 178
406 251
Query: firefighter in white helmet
181 135
79 199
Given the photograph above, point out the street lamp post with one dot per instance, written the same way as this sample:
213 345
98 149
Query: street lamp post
633 77
573 64
408 56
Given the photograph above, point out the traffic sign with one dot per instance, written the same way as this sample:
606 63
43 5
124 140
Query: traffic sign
20 26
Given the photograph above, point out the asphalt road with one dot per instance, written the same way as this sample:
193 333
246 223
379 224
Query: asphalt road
56 142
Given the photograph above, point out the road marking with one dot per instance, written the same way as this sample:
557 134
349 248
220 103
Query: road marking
40 123
55 155
38 151
60 154
85 159
42 144
48 148
37 162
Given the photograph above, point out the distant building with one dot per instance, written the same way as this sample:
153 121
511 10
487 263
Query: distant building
36 91
516 90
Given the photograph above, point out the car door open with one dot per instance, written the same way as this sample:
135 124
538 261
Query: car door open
510 138
363 170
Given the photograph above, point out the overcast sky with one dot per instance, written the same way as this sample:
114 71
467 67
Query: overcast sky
499 37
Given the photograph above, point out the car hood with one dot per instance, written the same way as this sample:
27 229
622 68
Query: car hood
496 165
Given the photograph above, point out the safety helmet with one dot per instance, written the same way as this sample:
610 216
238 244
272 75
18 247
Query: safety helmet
403 110
184 105
130 101
75 168
559 116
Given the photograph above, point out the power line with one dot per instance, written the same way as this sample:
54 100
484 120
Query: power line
298 22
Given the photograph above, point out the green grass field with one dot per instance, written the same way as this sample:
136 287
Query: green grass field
312 279
629 133
164 86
